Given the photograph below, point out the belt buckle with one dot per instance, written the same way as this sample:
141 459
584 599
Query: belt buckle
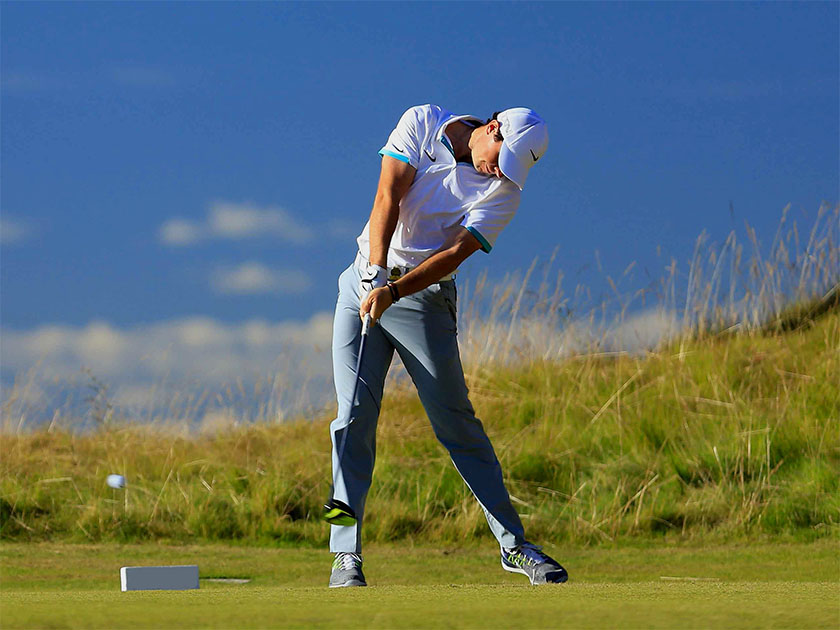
396 272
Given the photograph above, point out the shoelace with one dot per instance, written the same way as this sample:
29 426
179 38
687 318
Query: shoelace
346 560
532 553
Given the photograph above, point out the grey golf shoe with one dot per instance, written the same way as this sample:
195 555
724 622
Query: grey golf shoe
347 570
530 560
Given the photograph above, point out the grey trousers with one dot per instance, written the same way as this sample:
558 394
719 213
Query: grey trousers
421 328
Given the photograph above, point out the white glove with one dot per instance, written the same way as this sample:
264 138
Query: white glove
372 278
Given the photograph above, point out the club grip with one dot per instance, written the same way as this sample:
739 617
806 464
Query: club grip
366 325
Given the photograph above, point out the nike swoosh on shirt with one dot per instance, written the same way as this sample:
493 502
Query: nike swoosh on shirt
398 149
433 159
533 156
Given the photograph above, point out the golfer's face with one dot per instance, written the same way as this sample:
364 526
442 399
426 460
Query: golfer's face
485 153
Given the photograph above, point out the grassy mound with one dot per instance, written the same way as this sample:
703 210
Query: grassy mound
720 437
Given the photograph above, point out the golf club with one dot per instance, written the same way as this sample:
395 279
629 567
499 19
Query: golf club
338 512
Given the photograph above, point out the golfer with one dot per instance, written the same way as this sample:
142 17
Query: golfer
448 186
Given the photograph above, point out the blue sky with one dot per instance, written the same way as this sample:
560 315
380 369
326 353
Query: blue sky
163 161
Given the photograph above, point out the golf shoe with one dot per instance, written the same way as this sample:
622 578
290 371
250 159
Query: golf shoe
530 560
347 570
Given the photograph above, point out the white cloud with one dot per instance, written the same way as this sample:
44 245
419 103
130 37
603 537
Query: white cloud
485 342
183 347
642 331
12 230
216 352
136 397
179 366
237 221
229 220
253 278
181 232
199 367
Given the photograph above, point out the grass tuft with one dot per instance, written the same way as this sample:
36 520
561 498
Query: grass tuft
719 438
727 431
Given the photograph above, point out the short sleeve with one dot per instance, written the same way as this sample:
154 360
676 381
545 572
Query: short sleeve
407 138
486 220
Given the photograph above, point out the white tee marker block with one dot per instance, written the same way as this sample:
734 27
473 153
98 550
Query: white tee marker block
174 578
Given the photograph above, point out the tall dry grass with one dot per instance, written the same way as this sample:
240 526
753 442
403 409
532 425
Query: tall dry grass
728 430
729 286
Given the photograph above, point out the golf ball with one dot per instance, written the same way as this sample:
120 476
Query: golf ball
116 481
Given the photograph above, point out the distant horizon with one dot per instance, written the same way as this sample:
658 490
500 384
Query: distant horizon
199 372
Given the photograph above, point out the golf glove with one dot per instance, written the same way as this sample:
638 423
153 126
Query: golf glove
372 278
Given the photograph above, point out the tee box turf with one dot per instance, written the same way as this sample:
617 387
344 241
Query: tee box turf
174 578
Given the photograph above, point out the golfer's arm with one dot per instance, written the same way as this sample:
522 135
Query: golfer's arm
395 178
460 246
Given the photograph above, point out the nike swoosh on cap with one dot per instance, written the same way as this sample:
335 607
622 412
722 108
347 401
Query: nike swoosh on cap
533 156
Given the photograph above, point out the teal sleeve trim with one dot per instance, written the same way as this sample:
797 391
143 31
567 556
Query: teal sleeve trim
485 246
396 156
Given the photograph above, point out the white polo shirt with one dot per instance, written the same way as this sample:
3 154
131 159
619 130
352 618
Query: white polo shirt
445 194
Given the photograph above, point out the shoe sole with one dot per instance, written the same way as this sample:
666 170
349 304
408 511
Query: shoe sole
514 569
348 583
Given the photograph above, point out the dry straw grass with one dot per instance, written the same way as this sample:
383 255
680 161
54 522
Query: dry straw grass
728 430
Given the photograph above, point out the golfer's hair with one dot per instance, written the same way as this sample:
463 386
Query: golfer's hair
498 137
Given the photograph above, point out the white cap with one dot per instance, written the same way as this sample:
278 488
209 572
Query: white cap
525 141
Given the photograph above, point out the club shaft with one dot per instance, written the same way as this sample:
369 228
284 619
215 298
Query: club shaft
365 328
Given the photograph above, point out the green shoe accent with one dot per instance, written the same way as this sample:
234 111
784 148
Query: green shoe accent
339 517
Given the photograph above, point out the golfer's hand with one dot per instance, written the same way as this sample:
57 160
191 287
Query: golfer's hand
375 303
373 277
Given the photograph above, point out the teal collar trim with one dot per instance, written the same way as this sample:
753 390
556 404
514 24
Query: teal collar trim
445 142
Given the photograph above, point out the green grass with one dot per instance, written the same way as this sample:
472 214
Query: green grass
758 586
723 438
695 487
728 434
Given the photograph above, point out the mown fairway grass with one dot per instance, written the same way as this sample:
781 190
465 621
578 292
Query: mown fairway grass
757 586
